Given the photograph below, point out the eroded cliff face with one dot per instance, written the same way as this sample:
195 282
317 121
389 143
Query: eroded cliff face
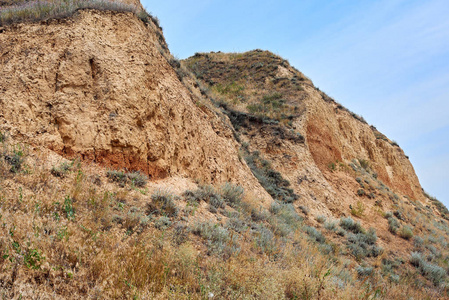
97 86
333 133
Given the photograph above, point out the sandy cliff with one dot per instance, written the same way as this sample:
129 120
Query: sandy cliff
97 86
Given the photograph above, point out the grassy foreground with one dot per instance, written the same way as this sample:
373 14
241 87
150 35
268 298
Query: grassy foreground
72 230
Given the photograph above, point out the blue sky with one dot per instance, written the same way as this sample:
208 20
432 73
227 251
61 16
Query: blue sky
386 60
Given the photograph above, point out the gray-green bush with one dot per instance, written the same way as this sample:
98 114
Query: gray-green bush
163 202
350 225
315 234
134 178
232 194
364 244
218 239
434 273
393 225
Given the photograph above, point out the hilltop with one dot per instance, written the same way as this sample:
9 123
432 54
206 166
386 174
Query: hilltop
126 173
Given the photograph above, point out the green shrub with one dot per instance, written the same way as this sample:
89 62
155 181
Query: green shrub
15 158
275 207
285 220
117 176
180 233
418 241
68 208
203 193
340 231
265 239
416 259
406 232
358 210
364 164
388 215
33 259
236 224
217 202
258 215
131 220
398 214
288 214
228 194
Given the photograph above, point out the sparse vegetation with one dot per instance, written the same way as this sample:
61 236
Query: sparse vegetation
358 210
160 248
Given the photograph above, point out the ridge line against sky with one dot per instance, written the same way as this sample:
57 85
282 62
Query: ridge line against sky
386 60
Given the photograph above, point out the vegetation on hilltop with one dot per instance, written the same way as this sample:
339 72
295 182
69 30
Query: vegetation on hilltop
33 11
241 79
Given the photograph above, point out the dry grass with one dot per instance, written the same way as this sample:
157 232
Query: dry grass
32 11
68 237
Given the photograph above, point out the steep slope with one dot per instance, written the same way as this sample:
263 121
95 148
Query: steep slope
339 166
98 87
